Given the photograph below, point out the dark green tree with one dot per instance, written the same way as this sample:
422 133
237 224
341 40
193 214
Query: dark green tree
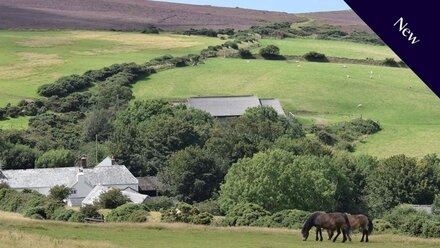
192 175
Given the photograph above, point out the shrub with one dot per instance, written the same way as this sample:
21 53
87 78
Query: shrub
397 215
202 219
77 217
111 199
63 214
315 57
270 52
209 206
158 203
36 211
59 192
293 219
90 211
413 224
4 185
19 157
64 86
326 138
435 204
390 62
56 158
128 212
186 213
381 225
245 54
431 229
245 214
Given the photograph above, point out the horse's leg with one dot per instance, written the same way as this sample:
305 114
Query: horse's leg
348 236
363 235
366 235
330 234
320 234
338 231
344 235
317 232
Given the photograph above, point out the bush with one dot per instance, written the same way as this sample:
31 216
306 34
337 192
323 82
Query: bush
63 214
245 54
59 192
36 211
390 62
186 213
90 211
293 219
77 217
397 215
381 225
4 185
209 206
435 204
129 212
56 158
270 52
326 138
19 157
158 203
245 214
431 229
315 57
413 224
64 86
112 198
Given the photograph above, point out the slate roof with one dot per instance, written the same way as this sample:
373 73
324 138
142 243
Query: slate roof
49 177
99 189
150 183
230 106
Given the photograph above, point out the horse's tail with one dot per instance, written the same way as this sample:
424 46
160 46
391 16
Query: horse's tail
347 222
370 226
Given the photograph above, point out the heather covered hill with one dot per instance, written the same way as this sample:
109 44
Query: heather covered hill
128 14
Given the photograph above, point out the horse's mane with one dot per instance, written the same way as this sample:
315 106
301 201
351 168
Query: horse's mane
309 222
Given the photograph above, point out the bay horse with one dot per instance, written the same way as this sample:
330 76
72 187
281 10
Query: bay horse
359 221
331 221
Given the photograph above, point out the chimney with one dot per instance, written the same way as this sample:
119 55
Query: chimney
113 160
83 163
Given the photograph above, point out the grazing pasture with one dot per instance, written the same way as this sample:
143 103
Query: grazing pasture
331 48
320 93
32 58
16 231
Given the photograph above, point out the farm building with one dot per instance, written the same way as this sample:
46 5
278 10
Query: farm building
151 186
83 181
230 106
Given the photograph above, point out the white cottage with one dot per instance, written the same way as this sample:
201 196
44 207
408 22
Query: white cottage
81 180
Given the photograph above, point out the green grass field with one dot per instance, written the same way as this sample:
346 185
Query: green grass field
16 231
32 58
330 48
320 93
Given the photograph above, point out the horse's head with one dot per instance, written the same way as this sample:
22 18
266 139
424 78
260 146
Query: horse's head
305 233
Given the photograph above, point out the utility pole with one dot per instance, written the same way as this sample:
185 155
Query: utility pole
96 148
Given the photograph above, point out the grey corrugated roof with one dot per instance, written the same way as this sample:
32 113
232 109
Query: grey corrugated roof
49 177
224 106
274 103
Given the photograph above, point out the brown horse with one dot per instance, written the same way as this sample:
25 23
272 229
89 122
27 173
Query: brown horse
329 221
359 221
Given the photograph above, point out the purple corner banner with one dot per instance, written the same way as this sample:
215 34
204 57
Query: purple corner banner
410 29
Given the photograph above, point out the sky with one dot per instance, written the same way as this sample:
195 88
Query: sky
290 6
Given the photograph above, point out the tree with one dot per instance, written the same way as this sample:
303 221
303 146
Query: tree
192 175
19 157
278 180
112 198
56 158
270 51
60 192
400 179
99 123
436 205
315 57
